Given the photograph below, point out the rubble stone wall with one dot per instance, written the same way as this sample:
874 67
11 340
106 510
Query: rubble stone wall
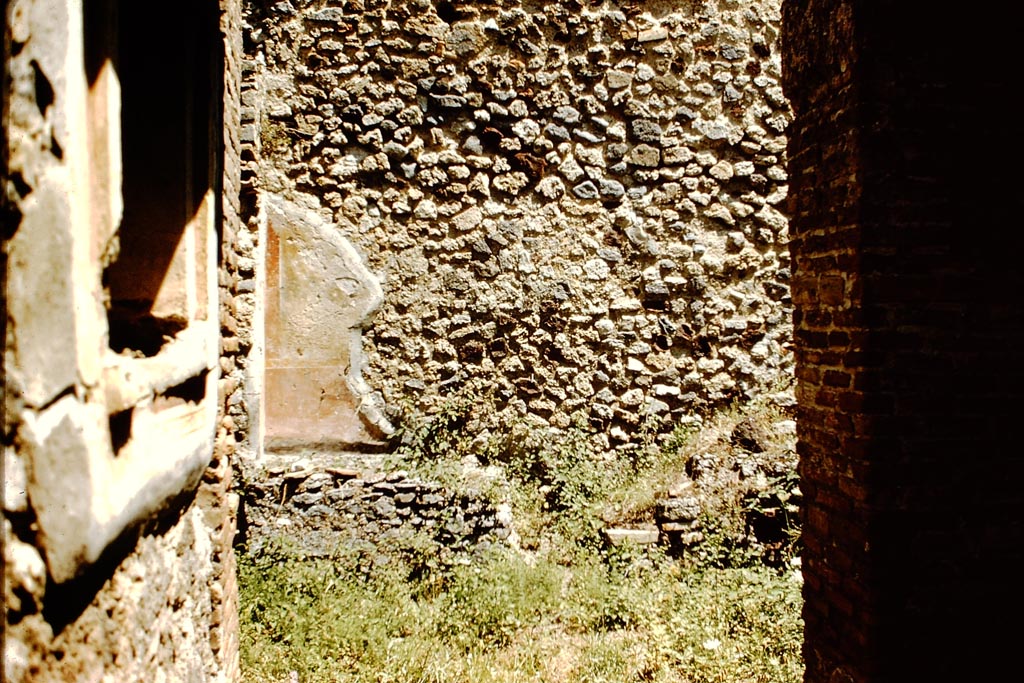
574 206
244 340
320 511
219 501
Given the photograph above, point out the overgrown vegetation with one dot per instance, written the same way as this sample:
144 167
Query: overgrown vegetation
564 606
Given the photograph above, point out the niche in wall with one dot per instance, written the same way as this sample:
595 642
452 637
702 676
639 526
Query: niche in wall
157 272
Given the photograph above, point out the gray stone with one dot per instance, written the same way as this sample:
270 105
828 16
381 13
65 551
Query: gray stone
657 407
340 494
472 145
569 115
610 254
557 132
646 130
686 114
612 188
328 15
395 150
617 150
617 79
449 101
685 509
586 190
384 507
587 136
656 289
645 155
732 52
320 511
638 192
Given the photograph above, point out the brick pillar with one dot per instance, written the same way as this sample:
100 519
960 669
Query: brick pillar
220 504
906 240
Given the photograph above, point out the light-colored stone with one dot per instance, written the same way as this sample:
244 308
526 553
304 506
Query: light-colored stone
468 219
635 536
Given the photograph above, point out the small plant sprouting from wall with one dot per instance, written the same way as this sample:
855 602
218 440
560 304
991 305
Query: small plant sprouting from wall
274 138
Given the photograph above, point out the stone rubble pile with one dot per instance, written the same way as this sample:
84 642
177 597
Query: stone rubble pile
323 509
750 476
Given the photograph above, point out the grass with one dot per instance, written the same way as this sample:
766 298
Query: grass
504 619
565 609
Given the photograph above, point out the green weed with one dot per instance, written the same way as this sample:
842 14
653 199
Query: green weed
564 608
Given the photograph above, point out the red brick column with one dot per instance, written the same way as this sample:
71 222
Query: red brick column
219 503
907 285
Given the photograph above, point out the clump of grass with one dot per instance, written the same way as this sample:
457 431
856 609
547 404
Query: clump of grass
562 608
503 618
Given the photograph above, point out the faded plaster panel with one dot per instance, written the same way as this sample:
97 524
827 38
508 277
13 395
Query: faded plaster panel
320 296
52 282
320 407
41 297
324 290
62 480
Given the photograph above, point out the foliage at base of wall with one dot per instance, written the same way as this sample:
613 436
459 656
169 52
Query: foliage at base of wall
562 603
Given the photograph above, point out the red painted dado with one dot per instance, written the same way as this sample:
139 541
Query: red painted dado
318 296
